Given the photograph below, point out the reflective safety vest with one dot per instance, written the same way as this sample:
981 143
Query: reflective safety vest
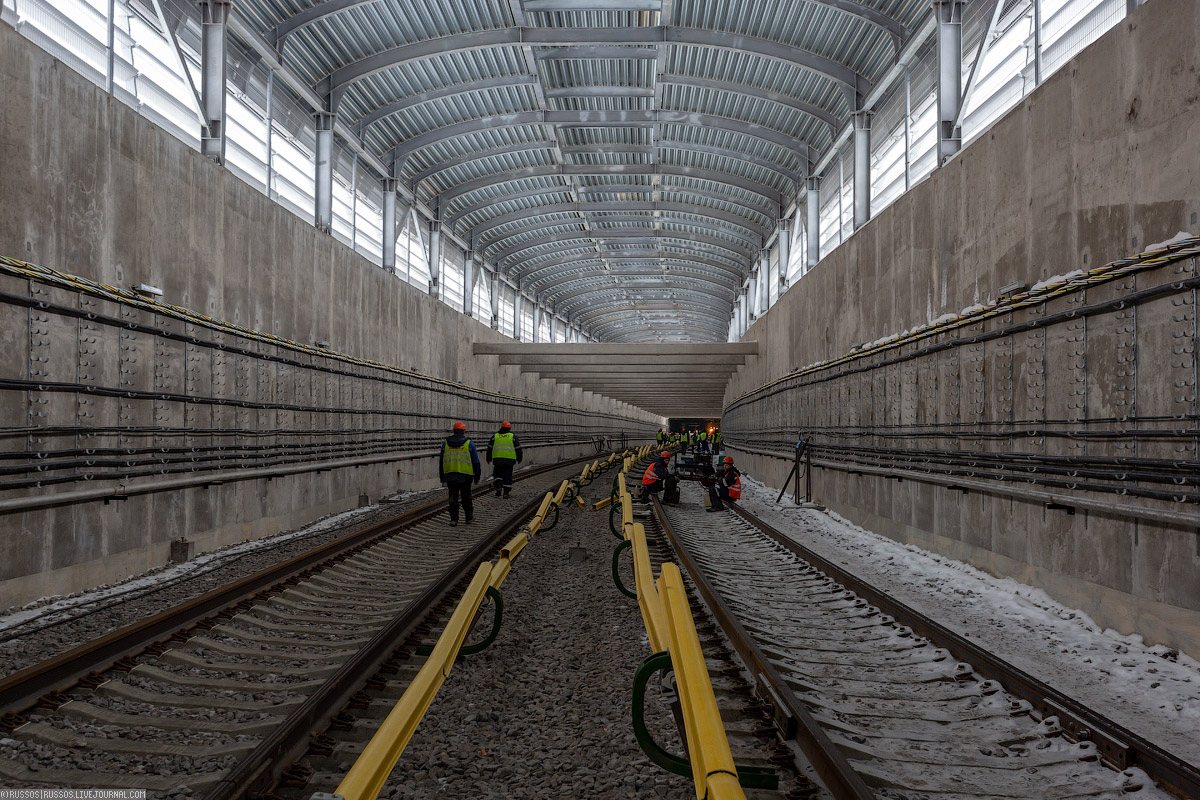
503 446
735 489
660 436
704 436
457 460
651 476
716 438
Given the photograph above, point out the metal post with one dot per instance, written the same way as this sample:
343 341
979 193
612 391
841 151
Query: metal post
1037 42
537 321
752 299
323 166
808 474
517 322
764 281
469 283
112 45
389 224
495 298
435 256
354 203
269 120
841 198
862 168
949 57
214 20
785 253
907 131
552 327
813 210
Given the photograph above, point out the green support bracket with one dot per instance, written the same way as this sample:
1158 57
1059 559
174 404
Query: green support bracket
749 777
616 562
612 524
472 649
550 527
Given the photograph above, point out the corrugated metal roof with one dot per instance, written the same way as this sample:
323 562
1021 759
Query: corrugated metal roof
521 127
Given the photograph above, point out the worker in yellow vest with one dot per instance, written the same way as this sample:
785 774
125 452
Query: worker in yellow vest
504 453
458 468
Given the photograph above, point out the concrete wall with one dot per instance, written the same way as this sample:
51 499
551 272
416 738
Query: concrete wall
93 189
1100 161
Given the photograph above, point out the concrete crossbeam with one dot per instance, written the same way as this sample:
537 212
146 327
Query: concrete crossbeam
661 359
520 349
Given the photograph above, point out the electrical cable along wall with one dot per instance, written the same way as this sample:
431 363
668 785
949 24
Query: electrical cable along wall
111 395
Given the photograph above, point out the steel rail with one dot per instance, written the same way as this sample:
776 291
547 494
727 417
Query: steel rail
1118 746
257 773
792 718
23 689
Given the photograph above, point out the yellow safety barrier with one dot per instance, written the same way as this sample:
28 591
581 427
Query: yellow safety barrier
371 769
670 627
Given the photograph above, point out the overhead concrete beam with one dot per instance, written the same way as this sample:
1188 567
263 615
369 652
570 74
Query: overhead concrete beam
661 359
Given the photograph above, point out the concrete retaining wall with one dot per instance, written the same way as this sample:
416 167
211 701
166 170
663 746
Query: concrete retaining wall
1099 162
91 188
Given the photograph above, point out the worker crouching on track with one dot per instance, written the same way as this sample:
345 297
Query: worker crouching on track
658 478
727 487
458 468
504 453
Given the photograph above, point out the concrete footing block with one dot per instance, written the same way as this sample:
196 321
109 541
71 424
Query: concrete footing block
182 550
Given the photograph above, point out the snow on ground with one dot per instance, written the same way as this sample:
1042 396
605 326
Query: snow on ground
1151 690
48 608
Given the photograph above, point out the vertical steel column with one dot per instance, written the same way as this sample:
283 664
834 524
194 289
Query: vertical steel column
323 166
553 326
1037 42
517 302
907 131
862 168
764 281
110 75
812 199
537 321
494 277
354 202
389 224
214 20
435 255
949 57
785 253
469 277
752 298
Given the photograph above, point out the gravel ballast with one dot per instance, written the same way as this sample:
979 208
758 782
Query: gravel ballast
545 711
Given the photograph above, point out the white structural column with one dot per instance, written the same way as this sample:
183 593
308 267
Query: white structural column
494 296
537 321
518 301
812 200
553 326
785 253
949 89
469 277
214 23
862 168
764 281
323 179
389 224
435 257
751 299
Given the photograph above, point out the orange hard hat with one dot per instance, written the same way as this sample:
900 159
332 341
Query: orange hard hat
728 460
665 454
506 424
460 426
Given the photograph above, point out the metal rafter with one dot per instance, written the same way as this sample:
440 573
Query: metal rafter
525 270
753 244
727 219
646 235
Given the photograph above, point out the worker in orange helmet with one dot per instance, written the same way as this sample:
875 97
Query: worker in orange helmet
728 486
458 468
658 477
504 453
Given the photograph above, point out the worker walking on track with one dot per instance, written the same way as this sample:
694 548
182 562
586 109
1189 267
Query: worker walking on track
660 435
504 453
458 468
728 487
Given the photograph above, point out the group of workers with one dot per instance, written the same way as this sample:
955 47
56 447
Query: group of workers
698 440
724 486
459 466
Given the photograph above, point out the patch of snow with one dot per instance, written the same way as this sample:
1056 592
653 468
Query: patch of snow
1057 280
1152 690
1179 237
975 309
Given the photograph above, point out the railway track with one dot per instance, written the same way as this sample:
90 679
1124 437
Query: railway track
218 696
887 703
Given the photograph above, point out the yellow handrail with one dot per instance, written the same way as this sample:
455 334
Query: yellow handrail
371 769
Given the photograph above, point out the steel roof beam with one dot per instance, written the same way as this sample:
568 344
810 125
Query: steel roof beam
440 93
635 235
590 208
751 241
617 256
670 144
608 170
600 119
678 283
341 78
